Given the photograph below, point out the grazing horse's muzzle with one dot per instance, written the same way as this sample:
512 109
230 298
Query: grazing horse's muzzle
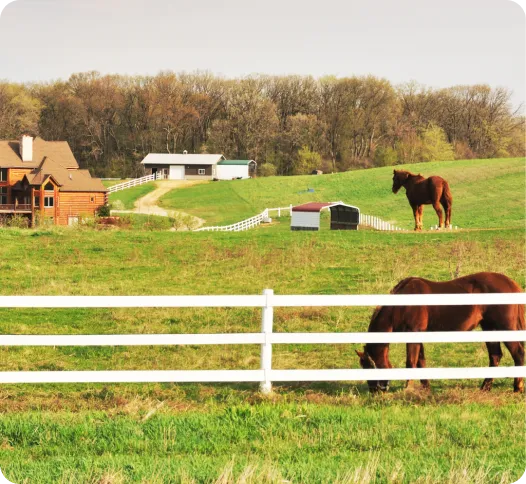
378 386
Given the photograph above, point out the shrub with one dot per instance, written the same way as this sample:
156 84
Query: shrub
267 169
118 205
307 161
385 156
104 211
435 146
18 221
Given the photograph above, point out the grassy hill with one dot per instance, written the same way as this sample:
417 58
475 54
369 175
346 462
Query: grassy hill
312 432
486 193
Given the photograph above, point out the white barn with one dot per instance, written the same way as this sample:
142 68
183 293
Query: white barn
182 166
231 169
197 166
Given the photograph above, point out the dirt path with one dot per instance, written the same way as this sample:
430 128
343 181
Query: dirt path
147 205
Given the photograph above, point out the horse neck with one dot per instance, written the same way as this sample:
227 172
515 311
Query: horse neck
380 323
411 180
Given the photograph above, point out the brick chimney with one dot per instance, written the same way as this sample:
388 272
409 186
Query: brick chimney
26 148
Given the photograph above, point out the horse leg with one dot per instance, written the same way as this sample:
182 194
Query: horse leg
438 210
422 364
447 209
419 217
495 354
516 350
415 215
412 355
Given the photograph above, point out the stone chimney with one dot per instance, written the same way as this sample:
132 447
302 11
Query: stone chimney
26 148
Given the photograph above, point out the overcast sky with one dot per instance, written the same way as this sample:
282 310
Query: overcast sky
436 42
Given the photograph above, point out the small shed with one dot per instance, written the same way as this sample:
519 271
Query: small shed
230 169
307 216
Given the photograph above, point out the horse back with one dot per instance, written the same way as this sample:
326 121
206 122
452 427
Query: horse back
454 318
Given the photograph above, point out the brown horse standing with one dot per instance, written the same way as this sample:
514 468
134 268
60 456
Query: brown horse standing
446 318
422 191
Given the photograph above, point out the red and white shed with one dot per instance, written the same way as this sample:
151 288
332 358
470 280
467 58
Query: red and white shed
307 216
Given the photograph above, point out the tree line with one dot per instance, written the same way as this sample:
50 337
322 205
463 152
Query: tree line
288 124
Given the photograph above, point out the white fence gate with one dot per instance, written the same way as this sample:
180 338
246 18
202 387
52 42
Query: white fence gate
265 375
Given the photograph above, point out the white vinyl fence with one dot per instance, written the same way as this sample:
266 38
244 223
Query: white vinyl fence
243 225
366 220
265 375
135 182
377 223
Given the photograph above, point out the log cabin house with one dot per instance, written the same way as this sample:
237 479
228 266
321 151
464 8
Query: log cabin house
41 178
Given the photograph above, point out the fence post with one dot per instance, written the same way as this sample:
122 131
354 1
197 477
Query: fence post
267 320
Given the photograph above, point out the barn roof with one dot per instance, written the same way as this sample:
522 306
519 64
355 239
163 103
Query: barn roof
181 159
318 206
236 162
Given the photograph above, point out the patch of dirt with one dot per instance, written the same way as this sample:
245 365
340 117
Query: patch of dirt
147 205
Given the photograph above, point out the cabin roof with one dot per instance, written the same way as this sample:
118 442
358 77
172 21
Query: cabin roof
68 180
58 150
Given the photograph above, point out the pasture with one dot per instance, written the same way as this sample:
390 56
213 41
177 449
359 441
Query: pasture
481 194
315 432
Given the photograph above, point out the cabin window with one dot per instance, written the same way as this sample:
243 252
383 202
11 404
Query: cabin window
3 195
49 202
92 199
3 174
201 171
49 186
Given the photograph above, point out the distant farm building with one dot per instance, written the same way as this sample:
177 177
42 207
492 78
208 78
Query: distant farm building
308 216
42 178
230 169
197 166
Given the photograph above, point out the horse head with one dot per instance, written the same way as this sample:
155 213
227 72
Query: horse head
399 179
374 356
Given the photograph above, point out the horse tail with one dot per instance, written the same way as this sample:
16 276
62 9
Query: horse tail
446 194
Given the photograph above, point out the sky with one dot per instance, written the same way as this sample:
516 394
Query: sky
437 43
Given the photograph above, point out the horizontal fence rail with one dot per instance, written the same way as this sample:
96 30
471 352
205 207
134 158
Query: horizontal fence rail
277 300
239 226
135 182
266 338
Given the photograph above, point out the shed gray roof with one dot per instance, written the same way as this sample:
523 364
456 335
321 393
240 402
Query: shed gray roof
180 159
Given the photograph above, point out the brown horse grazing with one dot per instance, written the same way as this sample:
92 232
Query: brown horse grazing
446 318
422 191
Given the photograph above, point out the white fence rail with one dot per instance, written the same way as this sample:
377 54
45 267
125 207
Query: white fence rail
378 224
135 182
367 220
239 226
266 338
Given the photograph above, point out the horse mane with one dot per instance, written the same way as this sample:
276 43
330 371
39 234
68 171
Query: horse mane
409 174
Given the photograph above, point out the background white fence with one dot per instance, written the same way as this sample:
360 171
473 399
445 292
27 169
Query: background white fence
135 182
366 220
377 223
265 375
243 225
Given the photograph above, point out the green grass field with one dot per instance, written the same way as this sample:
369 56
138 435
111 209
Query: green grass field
312 432
480 194
129 196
